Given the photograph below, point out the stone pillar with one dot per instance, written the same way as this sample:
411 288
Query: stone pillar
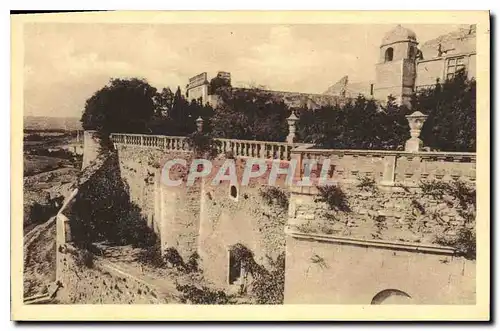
92 144
292 120
416 122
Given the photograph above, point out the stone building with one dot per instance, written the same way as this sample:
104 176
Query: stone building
403 67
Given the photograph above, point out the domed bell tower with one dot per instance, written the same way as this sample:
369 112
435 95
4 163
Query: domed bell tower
396 70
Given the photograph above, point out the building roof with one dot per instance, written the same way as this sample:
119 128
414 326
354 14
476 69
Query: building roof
397 34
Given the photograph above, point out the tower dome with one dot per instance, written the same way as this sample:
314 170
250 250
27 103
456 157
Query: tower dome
399 34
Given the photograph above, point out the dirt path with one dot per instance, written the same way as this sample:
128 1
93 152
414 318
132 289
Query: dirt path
39 258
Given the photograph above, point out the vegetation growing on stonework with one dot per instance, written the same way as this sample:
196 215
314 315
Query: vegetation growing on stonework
274 195
334 197
269 289
267 286
368 184
113 219
203 144
462 197
83 257
192 294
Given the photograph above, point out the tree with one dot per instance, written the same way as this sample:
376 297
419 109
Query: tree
123 105
250 114
218 84
181 118
360 124
451 107
163 102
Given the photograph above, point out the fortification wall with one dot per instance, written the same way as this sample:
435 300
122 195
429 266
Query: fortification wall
379 228
173 212
393 214
321 271
91 147
242 215
387 216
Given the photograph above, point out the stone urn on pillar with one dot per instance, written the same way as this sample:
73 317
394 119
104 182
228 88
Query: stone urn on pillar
199 124
292 121
416 122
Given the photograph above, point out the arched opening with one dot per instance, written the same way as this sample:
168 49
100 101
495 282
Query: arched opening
389 54
234 192
391 297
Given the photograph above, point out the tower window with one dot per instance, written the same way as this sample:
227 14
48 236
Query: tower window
371 89
389 54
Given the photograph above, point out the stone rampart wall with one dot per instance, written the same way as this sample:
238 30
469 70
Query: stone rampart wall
326 270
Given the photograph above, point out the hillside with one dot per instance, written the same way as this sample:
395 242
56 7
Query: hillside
51 123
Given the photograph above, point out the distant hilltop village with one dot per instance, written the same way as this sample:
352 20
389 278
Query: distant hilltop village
403 68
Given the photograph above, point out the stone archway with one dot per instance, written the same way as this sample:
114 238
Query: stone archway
392 297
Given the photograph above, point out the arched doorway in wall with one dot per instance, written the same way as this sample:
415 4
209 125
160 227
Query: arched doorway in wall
392 297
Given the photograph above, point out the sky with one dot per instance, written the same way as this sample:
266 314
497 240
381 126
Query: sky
65 63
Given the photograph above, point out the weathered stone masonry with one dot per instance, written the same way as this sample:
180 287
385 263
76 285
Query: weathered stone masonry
383 243
386 240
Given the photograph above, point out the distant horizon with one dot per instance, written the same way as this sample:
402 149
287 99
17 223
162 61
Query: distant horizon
65 63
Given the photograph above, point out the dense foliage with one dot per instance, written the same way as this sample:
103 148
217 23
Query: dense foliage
451 106
358 125
120 106
250 114
451 125
134 106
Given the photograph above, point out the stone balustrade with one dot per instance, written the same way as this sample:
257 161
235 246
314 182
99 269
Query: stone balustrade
389 167
256 149
385 167
175 143
239 148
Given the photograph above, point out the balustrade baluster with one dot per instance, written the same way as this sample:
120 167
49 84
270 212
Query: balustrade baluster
262 150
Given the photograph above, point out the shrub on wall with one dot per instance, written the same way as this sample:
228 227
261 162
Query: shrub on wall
269 289
268 285
203 144
102 210
201 295
334 197
460 196
274 195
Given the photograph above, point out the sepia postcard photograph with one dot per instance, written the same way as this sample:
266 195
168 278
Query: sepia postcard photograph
195 166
